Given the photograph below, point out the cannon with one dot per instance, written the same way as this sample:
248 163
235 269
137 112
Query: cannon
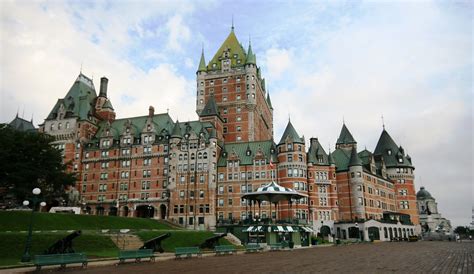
155 243
64 245
212 241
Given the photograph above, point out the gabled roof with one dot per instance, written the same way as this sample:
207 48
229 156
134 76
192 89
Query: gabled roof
210 109
345 137
341 158
230 43
160 121
354 160
291 134
108 104
365 156
21 124
240 149
393 155
316 153
79 100
196 127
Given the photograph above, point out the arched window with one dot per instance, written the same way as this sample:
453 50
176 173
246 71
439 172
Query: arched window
205 155
192 156
180 157
199 155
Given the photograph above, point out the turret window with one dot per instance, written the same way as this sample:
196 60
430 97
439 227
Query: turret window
238 97
224 89
224 80
67 125
239 109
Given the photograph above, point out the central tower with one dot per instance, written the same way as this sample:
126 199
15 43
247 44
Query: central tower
233 79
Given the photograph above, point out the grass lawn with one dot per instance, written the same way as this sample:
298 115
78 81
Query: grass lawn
13 244
180 238
19 221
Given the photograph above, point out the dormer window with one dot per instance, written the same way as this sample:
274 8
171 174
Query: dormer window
400 160
148 127
214 66
389 152
127 130
248 152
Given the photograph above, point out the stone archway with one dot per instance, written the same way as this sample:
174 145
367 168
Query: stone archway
145 211
374 233
163 212
325 231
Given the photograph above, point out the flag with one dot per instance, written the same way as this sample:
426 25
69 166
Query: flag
271 162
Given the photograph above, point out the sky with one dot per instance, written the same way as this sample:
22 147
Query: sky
324 62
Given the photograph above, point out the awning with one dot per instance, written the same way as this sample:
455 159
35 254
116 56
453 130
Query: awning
280 228
253 229
306 229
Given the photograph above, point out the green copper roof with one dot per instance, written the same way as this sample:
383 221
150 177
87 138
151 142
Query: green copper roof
365 156
423 194
160 121
236 53
211 108
341 158
240 150
354 160
21 124
251 58
202 63
291 134
176 133
393 155
331 159
345 137
316 153
79 100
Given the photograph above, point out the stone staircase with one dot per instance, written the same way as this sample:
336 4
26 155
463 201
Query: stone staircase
126 241
233 239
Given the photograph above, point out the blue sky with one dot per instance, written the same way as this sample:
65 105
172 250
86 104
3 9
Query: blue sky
410 61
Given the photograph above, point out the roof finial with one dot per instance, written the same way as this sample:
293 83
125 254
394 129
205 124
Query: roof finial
383 123
17 110
167 110
80 71
232 28
343 120
32 117
289 117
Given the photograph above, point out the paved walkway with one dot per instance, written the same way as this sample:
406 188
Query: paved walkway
419 257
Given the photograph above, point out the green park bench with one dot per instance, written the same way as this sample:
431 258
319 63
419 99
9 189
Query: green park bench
252 247
188 252
224 249
60 259
278 246
136 254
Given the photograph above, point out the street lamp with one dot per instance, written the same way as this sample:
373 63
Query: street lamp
36 191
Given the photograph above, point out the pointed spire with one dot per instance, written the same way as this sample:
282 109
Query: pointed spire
202 62
176 133
345 137
211 108
251 58
232 28
355 160
290 133
331 159
269 102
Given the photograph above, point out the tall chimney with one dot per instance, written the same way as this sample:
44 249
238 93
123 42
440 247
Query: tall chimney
103 87
151 111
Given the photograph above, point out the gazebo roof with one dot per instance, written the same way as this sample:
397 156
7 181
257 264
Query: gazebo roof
273 192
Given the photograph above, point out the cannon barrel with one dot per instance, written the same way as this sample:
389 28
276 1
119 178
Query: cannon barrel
212 241
64 245
155 243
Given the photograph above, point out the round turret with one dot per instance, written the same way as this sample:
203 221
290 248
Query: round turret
423 194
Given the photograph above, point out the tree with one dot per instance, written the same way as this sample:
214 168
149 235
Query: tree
27 160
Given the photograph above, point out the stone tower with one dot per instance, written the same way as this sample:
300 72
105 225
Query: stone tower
233 79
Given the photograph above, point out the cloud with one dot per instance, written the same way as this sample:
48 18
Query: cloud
178 33
277 62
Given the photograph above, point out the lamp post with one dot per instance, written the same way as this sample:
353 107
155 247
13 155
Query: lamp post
36 191
357 227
